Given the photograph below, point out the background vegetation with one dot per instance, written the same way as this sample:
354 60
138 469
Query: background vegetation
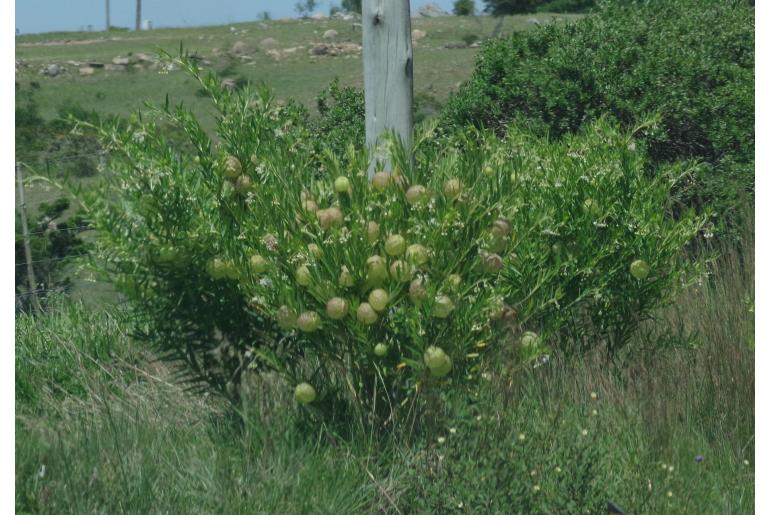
105 422
621 62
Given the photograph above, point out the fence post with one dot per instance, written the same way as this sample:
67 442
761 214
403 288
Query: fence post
388 82
25 231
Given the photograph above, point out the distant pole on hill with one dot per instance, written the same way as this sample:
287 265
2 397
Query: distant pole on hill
388 82
107 9
138 15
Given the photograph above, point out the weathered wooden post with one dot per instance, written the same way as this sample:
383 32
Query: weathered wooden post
388 90
25 232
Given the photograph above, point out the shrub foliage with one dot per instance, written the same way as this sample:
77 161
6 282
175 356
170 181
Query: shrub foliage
691 61
260 251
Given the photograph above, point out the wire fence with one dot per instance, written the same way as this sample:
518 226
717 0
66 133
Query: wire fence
43 225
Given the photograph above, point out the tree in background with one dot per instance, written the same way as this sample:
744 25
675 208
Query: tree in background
305 8
505 7
464 8
352 6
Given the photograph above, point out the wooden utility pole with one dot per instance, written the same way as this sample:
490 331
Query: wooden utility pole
107 9
138 15
25 234
388 82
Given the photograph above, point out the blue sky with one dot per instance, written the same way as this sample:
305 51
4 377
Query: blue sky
54 15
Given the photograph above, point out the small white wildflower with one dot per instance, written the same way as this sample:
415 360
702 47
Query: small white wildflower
670 493
441 439
536 488
522 437
584 432
671 468
558 470
453 430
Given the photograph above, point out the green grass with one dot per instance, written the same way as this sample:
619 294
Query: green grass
437 70
101 427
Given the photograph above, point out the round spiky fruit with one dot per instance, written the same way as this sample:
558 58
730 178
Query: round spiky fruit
258 264
381 181
302 276
491 263
372 232
417 254
453 188
329 217
337 308
416 194
309 205
501 228
379 299
346 278
395 245
380 350
304 393
443 306
376 271
496 308
639 269
308 321
400 271
286 318
342 184
437 361
167 255
242 184
216 268
232 168
366 314
530 339
417 292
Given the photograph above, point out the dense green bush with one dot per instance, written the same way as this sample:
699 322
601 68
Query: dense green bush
341 118
464 8
260 251
691 61
506 7
566 6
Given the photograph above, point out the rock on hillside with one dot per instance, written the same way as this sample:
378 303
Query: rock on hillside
242 49
429 11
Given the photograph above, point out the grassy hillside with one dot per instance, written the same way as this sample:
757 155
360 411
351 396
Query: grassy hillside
101 427
292 74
